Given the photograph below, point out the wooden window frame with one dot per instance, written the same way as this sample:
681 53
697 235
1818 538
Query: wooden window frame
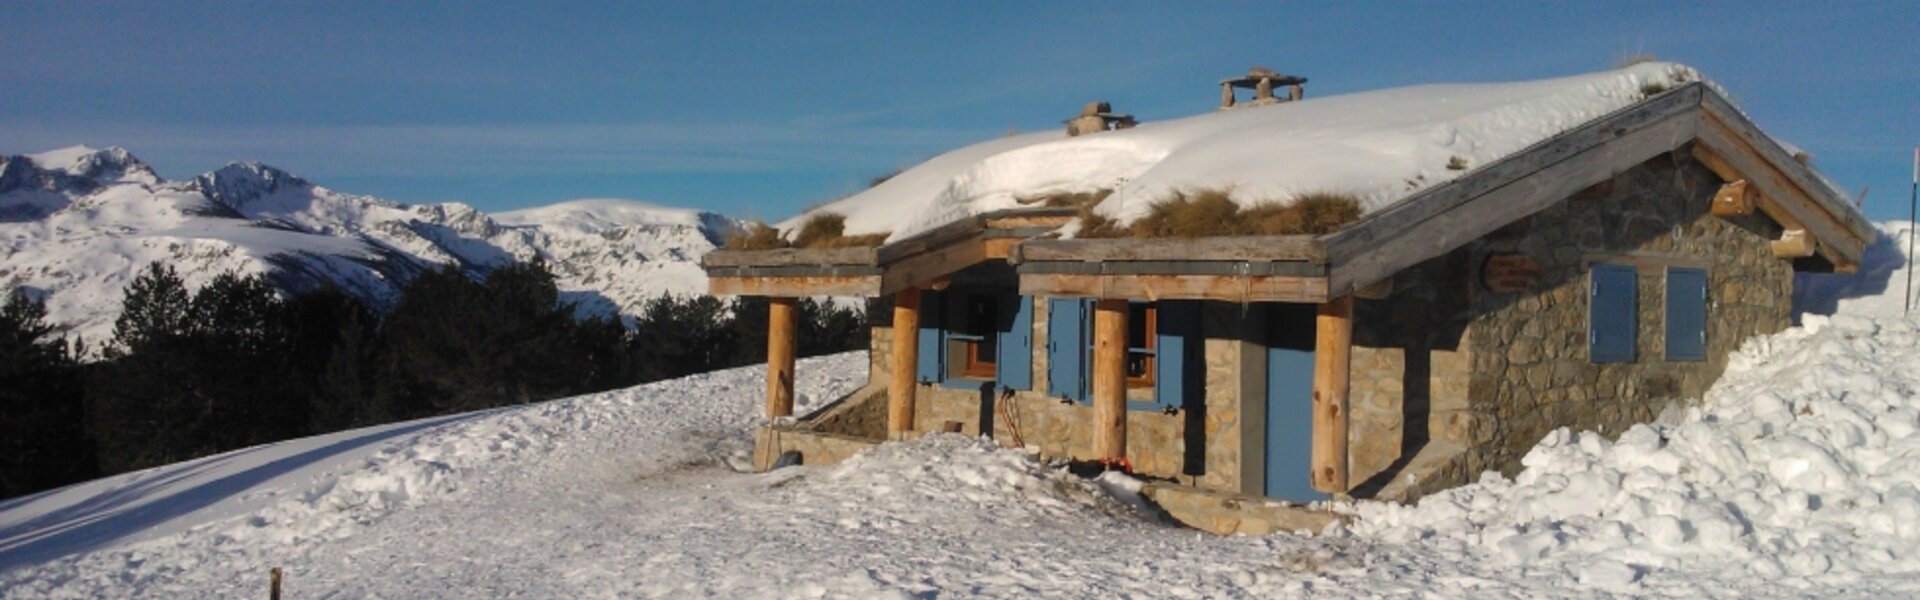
975 362
1148 350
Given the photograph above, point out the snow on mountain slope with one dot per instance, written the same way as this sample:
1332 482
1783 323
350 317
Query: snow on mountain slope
1798 476
77 224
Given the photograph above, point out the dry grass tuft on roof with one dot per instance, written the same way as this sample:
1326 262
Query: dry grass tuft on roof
822 230
1069 199
828 230
1211 213
755 236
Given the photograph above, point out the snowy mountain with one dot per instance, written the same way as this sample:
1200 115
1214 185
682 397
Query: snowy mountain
1797 476
77 224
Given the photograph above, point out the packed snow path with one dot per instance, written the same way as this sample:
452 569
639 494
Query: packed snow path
1796 477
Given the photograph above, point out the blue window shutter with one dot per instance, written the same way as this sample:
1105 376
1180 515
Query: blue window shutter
1066 348
1014 364
1613 313
1686 314
933 339
1177 354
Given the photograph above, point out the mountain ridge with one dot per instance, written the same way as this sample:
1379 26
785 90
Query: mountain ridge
76 225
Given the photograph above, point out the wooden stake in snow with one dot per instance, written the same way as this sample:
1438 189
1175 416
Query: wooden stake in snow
1332 355
906 360
1110 379
273 584
1913 214
781 319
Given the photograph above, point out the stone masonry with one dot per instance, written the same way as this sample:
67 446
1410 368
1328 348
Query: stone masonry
1496 371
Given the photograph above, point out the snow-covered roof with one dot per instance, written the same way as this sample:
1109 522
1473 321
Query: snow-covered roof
1379 147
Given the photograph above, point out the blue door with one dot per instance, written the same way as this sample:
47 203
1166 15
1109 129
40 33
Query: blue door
1290 402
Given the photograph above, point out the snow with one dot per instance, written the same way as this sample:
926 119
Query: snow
1380 146
1797 476
594 215
62 159
82 223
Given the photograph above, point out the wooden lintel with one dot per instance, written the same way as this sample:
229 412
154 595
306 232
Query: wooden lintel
1332 360
1226 288
1735 199
864 285
1794 243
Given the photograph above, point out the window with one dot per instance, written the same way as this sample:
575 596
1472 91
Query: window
1612 313
973 336
1142 320
1686 314
967 338
1163 346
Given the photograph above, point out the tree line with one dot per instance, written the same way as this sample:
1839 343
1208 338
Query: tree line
236 363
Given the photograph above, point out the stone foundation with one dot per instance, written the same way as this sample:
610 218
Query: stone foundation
1235 514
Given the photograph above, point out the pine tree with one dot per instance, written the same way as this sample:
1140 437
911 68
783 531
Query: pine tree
42 443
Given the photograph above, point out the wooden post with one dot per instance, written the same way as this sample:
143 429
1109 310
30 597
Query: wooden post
273 584
781 318
1110 379
906 361
1332 355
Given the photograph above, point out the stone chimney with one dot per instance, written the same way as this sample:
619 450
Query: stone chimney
1096 117
1262 81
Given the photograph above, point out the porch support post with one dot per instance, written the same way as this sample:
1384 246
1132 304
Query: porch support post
1332 357
906 361
781 317
1110 379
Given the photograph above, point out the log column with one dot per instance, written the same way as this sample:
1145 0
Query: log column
1332 357
906 362
781 318
1110 379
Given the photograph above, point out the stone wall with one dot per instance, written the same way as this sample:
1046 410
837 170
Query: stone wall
1531 371
1497 371
1410 373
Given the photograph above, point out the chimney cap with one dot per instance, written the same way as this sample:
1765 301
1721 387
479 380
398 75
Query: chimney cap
1255 74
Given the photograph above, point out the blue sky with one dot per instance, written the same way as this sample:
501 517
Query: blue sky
761 109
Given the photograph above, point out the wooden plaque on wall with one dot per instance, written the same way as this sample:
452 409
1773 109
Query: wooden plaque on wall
1510 273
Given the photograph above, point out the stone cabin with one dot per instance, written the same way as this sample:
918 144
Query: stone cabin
1586 281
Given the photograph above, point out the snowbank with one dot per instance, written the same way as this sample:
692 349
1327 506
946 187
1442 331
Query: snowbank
1379 146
